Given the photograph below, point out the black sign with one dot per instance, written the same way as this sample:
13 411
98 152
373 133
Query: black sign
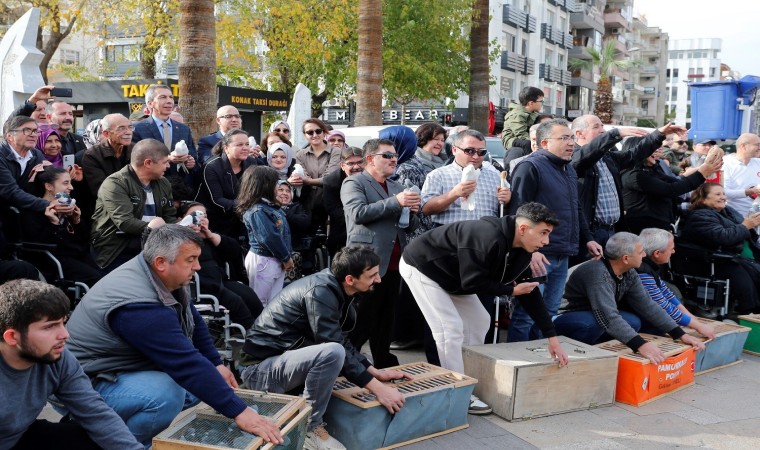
254 100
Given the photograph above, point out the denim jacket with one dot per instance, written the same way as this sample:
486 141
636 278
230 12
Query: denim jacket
268 231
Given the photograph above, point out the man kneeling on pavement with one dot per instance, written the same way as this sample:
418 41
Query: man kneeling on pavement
301 339
606 300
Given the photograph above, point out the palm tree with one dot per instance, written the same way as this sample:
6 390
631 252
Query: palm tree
197 65
605 61
479 67
369 76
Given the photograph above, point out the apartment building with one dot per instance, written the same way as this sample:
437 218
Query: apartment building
689 61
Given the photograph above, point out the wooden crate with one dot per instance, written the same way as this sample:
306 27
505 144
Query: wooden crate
639 381
436 402
204 428
752 321
724 350
520 380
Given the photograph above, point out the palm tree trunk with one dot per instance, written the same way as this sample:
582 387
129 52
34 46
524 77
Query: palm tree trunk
603 107
478 104
197 65
369 76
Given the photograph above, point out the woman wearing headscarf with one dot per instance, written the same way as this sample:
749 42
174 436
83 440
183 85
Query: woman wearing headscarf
49 141
403 139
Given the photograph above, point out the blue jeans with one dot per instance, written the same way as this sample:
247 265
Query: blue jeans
521 326
315 367
582 326
147 401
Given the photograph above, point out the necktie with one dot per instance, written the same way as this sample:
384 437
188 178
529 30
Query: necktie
167 135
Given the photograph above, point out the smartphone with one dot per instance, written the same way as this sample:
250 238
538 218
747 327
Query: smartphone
540 280
68 161
61 92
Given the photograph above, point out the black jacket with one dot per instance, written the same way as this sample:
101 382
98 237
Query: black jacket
100 161
218 191
717 230
650 193
476 257
312 310
603 147
331 184
13 183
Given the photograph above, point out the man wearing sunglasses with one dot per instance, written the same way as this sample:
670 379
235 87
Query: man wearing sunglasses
444 189
674 152
228 118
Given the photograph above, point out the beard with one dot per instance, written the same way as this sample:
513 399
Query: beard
33 356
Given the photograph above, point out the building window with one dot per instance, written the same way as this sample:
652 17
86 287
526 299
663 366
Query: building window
712 72
548 57
122 53
69 57
645 105
673 93
508 42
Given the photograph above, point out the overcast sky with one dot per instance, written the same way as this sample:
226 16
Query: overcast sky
731 20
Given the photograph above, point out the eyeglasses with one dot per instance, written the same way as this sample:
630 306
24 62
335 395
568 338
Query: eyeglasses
680 142
318 132
386 155
564 138
229 116
27 131
282 130
354 164
337 140
472 151
538 101
124 128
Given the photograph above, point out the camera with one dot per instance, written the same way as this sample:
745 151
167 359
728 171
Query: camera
197 217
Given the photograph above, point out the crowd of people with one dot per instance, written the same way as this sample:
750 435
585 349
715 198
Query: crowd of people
423 232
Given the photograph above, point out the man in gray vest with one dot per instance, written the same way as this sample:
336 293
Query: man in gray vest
139 337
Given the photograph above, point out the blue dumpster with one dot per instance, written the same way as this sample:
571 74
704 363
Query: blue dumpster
715 112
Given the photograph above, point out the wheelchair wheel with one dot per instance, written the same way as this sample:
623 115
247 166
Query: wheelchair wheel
322 258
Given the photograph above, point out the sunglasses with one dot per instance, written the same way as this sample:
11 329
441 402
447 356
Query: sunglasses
282 130
473 151
318 132
386 155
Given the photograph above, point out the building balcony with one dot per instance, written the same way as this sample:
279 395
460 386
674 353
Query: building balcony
124 69
170 69
585 17
512 61
582 80
649 92
619 42
633 111
530 66
519 19
620 74
553 73
567 5
634 87
613 19
649 69
617 95
555 36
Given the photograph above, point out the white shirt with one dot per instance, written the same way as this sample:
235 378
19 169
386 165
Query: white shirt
22 160
738 177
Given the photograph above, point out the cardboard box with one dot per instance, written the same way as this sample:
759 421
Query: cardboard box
752 345
436 402
724 350
520 380
639 381
204 428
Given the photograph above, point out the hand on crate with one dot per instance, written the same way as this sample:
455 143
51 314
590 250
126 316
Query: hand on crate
557 352
702 328
651 351
693 341
389 397
249 421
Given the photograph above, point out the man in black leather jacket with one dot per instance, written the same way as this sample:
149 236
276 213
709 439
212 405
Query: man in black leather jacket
301 338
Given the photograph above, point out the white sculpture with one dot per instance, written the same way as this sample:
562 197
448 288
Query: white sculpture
20 60
300 110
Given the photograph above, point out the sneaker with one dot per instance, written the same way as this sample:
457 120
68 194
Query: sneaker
477 407
320 439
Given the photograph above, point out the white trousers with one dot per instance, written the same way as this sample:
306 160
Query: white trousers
265 276
455 320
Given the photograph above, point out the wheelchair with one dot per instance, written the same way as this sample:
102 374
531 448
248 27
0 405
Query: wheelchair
21 246
310 255
218 321
693 271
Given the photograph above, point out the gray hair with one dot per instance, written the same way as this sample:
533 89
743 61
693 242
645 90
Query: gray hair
545 129
148 149
459 137
150 93
51 105
620 244
580 123
534 128
166 240
654 239
105 122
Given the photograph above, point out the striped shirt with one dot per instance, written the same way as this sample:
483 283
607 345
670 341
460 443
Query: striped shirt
664 297
149 210
607 200
443 179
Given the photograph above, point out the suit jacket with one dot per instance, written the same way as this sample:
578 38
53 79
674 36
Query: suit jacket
147 129
73 144
205 144
372 215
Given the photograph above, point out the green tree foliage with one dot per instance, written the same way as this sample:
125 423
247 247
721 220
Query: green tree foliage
425 49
